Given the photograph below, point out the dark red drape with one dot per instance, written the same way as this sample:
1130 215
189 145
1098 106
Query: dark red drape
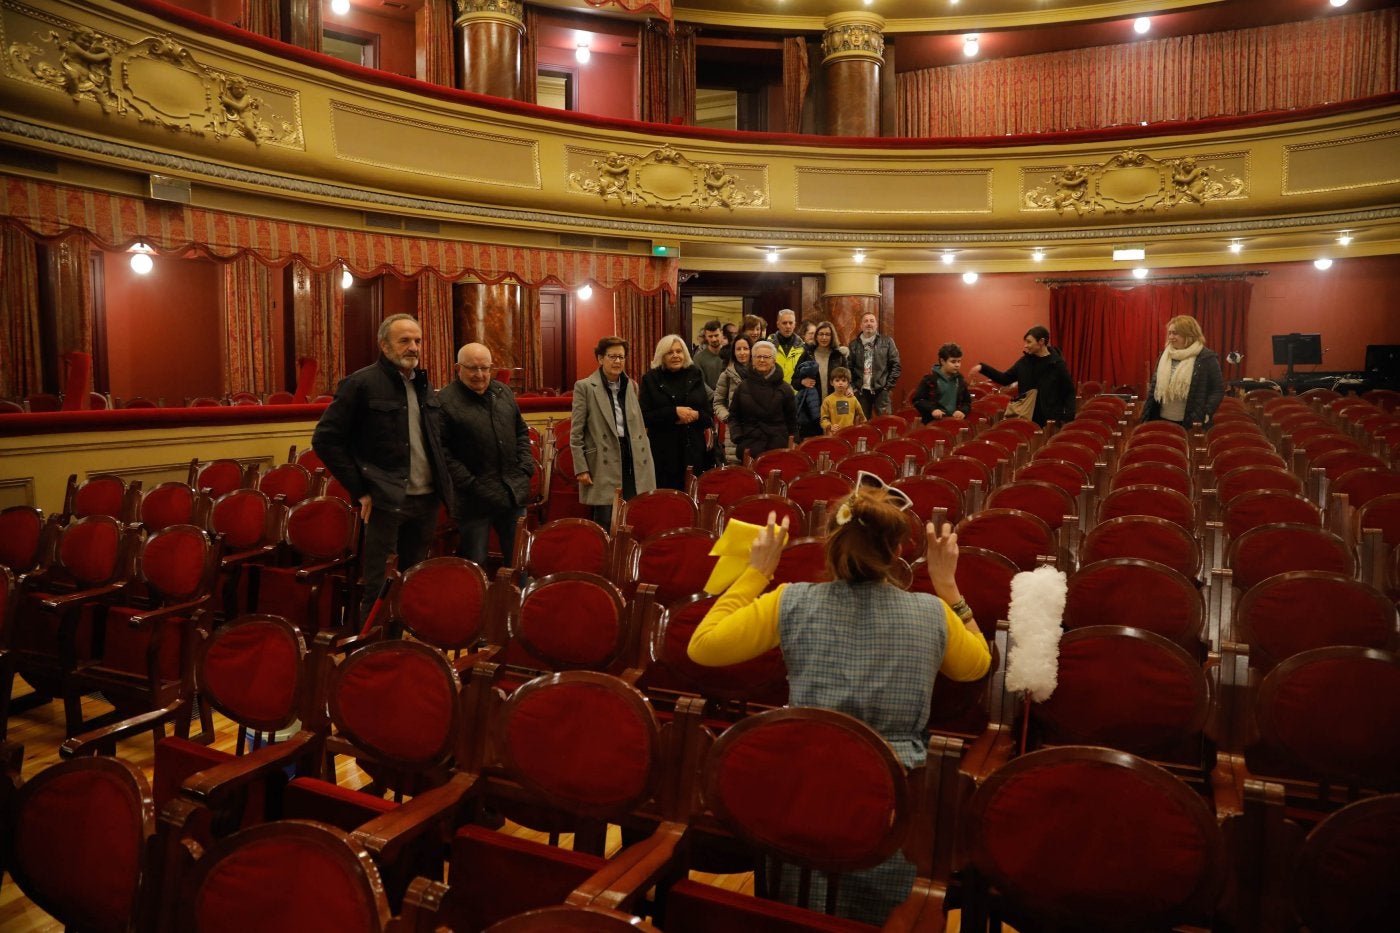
1115 334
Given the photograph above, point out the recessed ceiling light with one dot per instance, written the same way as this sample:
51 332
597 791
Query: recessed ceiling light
858 256
1323 264
772 254
1129 253
1037 255
1141 25
1338 2
1236 246
971 45
947 257
969 278
340 7
1345 238
1139 273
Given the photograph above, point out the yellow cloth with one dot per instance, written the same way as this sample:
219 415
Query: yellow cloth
732 549
742 624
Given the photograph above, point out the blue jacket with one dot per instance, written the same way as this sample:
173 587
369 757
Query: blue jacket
809 400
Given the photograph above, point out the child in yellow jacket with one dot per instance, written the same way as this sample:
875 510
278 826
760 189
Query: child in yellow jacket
841 408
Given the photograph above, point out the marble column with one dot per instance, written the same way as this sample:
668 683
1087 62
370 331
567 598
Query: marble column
492 35
853 48
852 288
490 314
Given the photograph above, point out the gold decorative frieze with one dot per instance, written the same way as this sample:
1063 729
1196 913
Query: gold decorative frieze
853 35
1133 181
158 81
894 191
667 179
399 143
1342 164
510 11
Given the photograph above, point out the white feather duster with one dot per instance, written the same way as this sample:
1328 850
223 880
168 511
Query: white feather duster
1037 606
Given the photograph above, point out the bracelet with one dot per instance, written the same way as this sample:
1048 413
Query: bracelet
962 610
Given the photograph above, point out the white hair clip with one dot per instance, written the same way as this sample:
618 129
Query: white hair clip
868 480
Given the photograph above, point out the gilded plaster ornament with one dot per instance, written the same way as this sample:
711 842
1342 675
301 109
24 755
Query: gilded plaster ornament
1133 181
667 179
853 37
157 80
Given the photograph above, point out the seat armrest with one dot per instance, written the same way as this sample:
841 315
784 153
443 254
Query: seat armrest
386 836
144 619
921 911
99 741
633 871
64 600
214 785
313 570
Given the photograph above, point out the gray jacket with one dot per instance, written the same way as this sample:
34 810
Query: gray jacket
596 447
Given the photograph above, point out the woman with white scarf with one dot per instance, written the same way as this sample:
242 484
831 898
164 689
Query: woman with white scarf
1188 385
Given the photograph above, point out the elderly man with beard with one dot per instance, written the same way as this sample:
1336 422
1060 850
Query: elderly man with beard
380 437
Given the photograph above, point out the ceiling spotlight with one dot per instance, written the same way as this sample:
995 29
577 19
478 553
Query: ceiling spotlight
859 256
947 257
347 279
1345 238
1037 255
1323 264
971 45
1236 246
1129 253
141 262
772 254
1338 2
1142 25
1140 273
340 7
969 278
582 54
584 292
868 2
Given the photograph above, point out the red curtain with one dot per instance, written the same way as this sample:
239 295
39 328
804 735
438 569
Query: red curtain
21 373
1116 334
436 62
795 81
249 306
435 317
640 320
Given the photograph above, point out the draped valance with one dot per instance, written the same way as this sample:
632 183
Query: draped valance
51 211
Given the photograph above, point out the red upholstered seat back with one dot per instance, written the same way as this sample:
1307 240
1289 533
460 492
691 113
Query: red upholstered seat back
378 689
930 434
102 494
322 528
571 620
1152 474
677 563
89 548
1023 428
1062 473
1347 875
987 453
220 477
1065 446
659 510
1330 443
831 445
1363 485
175 562
789 463
289 480
900 448
1045 501
820 486
1295 612
241 517
285 876
567 544
959 470
1148 500
1265 506
772 779
1126 688
931 492
77 847
728 484
882 465
984 579
21 527
1277 548
763 678
441 601
755 510
1147 851
168 504
803 561
1019 536
1155 453
1249 478
1383 514
1228 460
855 433
1138 593
251 670
1339 463
580 741
887 423
1145 537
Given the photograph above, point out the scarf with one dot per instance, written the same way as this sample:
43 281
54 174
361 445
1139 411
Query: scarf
1174 382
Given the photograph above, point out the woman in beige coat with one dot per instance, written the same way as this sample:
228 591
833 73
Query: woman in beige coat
607 435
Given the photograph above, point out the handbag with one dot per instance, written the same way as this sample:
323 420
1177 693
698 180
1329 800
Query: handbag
1023 407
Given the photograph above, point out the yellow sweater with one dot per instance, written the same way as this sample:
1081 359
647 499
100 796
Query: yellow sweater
743 624
841 411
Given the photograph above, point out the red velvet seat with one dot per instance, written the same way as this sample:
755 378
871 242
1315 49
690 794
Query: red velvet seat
1018 427
21 534
827 486
443 602
900 449
834 447
987 453
1138 593
651 513
890 423
935 431
1249 478
1243 438
1347 873
1290 613
728 484
1068 476
143 644
959 470
1326 444
882 465
1101 431
1144 537
309 583
172 503
756 509
220 476
1265 506
1362 485
1020 536
291 481
1234 458
1155 453
76 838
1161 432
853 434
1152 474
577 621
790 464
1382 514
101 494
1068 449
563 544
1157 501
803 561
1131 689
1152 855
567 917
760 680
1338 463
1046 501
1384 399
563 494
931 492
1267 550
677 562
250 528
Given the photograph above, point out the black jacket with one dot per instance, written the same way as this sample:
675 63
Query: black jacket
362 436
1207 390
763 414
488 449
1054 400
926 396
675 446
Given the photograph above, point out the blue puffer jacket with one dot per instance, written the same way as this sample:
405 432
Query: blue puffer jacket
809 400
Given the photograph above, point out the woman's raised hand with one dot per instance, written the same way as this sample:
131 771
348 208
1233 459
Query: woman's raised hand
767 548
941 555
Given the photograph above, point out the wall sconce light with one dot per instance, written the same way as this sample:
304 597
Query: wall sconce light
1142 25
1323 264
582 53
340 7
1140 273
584 292
347 278
141 261
971 45
772 254
969 278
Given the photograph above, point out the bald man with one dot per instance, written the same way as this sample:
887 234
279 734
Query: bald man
488 455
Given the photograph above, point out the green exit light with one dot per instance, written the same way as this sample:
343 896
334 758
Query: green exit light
662 249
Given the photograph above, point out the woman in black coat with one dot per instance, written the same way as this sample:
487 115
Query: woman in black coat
763 414
676 408
1187 386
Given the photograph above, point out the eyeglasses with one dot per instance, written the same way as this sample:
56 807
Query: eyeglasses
474 369
615 359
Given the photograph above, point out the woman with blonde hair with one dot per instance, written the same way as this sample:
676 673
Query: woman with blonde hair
858 644
676 408
1188 385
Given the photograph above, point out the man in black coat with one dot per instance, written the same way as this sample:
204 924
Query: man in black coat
1041 368
380 438
488 455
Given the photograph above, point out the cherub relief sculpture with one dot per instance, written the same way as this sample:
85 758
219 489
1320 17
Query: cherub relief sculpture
87 66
